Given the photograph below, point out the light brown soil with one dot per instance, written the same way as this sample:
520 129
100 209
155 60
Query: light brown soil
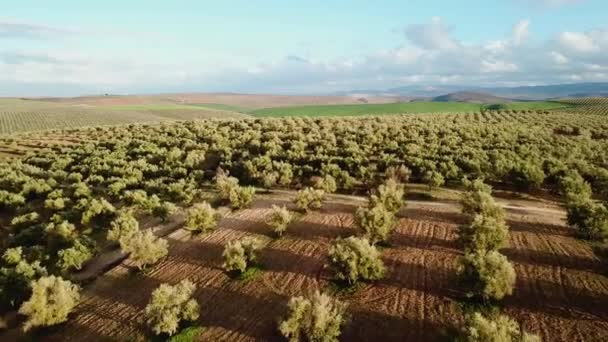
253 101
560 292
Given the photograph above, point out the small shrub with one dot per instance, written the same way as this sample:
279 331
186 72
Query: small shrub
355 258
492 276
16 277
241 197
144 248
51 302
10 200
319 318
25 219
96 211
202 218
163 210
74 257
590 219
574 188
527 176
240 254
390 195
327 184
401 174
484 233
376 222
279 219
309 198
494 328
481 202
170 305
63 229
433 179
123 226
224 185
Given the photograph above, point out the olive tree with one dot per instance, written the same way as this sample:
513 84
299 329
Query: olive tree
279 219
401 173
355 258
16 276
52 300
589 218
494 328
326 183
309 198
241 197
433 179
170 305
391 195
490 273
144 248
240 254
123 226
74 257
376 222
202 218
318 318
478 200
484 233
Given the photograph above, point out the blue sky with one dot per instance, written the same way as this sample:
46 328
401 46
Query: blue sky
76 47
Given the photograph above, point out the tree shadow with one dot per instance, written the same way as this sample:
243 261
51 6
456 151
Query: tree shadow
403 239
539 228
550 298
248 226
421 214
253 315
533 257
285 261
365 325
438 281
313 231
196 252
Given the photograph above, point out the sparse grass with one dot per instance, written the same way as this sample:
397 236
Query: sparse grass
399 108
368 109
29 115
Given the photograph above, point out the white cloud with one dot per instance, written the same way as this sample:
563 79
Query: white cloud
433 36
520 31
558 58
429 55
20 29
577 41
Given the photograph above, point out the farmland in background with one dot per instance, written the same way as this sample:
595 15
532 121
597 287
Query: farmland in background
399 108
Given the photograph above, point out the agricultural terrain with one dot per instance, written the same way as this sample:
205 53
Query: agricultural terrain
64 191
38 114
401 108
560 293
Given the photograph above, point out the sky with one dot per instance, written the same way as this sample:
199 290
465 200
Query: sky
67 48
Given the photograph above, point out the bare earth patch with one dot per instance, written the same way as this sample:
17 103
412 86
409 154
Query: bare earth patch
560 293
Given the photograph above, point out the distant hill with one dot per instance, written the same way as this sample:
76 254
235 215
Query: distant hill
520 93
471 97
245 101
585 95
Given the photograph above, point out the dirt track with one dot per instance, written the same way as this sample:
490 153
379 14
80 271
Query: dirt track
560 293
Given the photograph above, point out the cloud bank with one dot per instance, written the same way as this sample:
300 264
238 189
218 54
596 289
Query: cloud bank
429 53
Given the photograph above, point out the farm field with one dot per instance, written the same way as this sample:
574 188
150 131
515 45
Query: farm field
559 294
19 115
30 115
66 193
397 108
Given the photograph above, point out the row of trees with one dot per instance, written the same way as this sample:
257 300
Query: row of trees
487 274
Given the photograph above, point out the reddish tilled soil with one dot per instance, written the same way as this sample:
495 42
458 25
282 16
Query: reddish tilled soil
560 292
